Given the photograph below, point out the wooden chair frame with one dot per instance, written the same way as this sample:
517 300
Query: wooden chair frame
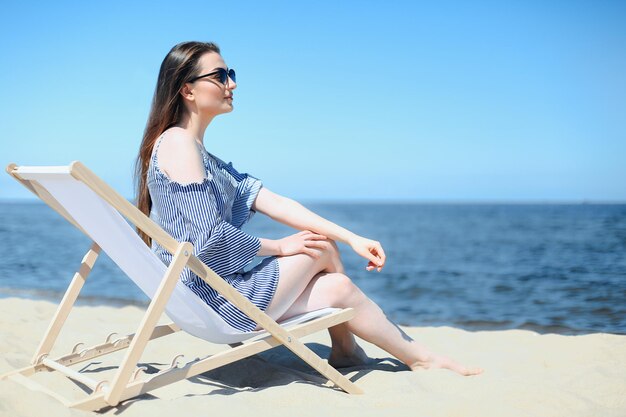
127 383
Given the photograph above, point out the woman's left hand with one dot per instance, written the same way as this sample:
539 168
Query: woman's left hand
371 250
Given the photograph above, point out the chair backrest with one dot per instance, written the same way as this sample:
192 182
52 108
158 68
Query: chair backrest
104 224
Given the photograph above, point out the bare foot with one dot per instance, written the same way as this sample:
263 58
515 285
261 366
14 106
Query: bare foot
440 361
339 359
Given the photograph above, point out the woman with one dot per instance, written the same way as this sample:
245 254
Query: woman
197 197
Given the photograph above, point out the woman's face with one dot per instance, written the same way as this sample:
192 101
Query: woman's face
210 96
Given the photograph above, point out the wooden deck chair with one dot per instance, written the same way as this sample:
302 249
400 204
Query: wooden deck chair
98 211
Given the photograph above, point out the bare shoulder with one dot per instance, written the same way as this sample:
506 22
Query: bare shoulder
179 157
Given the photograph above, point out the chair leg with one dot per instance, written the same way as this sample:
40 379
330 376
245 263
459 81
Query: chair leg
200 365
154 311
64 308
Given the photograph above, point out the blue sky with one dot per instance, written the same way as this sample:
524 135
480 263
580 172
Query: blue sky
438 101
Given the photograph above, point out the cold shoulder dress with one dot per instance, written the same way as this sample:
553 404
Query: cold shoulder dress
210 214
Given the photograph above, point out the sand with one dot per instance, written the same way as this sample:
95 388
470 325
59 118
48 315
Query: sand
526 373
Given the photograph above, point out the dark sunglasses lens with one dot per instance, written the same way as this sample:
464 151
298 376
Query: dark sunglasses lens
222 74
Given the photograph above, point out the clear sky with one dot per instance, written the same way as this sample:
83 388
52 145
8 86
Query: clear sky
338 100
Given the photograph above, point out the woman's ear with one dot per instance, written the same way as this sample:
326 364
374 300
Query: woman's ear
186 92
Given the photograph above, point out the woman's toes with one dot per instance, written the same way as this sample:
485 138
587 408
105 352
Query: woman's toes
473 371
437 361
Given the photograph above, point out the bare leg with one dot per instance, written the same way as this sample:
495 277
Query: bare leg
370 323
296 272
302 288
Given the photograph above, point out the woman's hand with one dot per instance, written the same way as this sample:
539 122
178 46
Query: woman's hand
301 242
371 250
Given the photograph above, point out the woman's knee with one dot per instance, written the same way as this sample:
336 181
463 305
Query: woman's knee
343 292
333 245
326 290
334 249
328 252
326 248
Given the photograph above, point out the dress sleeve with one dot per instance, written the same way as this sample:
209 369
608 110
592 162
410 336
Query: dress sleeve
248 188
221 246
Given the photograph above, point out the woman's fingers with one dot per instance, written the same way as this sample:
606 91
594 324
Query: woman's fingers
371 250
316 236
381 252
315 243
373 265
312 253
373 258
376 261
377 249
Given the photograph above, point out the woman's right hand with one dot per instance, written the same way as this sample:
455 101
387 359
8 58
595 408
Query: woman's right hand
371 250
301 242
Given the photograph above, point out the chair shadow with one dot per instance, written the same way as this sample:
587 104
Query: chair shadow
279 366
276 367
122 406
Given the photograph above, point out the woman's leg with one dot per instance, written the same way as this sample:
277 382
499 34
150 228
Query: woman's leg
308 284
342 340
296 271
370 322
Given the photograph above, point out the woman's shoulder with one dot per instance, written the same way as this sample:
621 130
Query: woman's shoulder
180 157
175 137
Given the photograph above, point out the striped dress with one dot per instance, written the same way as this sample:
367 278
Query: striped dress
210 214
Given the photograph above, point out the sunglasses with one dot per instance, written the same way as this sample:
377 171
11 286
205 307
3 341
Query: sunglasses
224 74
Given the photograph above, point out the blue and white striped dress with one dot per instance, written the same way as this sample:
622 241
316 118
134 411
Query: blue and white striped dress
210 214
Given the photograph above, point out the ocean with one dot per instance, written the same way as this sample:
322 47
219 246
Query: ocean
550 268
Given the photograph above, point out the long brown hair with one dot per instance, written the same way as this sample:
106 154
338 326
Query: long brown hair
179 65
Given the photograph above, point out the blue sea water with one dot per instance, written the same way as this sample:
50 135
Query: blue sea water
551 268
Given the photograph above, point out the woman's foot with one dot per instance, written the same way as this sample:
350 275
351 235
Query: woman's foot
432 360
340 359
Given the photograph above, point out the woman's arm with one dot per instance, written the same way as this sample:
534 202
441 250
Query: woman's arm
293 214
269 247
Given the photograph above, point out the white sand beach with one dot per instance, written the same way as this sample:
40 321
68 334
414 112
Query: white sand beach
526 374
